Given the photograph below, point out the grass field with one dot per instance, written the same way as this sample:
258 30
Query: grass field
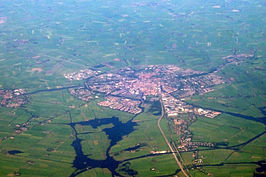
42 40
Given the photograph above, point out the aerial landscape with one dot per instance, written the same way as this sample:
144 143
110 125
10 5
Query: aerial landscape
144 88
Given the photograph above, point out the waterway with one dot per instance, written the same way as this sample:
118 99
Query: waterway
82 162
52 89
261 119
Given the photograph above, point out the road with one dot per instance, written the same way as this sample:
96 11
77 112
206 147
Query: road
169 145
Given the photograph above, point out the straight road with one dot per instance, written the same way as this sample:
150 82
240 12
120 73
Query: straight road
169 145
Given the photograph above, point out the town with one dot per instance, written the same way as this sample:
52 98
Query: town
151 81
127 89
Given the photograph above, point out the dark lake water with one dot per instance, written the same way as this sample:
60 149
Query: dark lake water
135 147
14 152
82 162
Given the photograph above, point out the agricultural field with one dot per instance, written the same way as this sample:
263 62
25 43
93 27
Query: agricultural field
47 130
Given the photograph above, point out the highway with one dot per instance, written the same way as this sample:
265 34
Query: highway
169 145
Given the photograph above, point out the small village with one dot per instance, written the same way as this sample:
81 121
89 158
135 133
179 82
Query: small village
176 110
237 58
181 125
81 93
21 128
80 75
13 98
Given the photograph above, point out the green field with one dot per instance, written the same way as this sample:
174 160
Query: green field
40 41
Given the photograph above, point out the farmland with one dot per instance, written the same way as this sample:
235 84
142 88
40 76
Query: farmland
204 60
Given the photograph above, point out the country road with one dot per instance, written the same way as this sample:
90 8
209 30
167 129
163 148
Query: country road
169 145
